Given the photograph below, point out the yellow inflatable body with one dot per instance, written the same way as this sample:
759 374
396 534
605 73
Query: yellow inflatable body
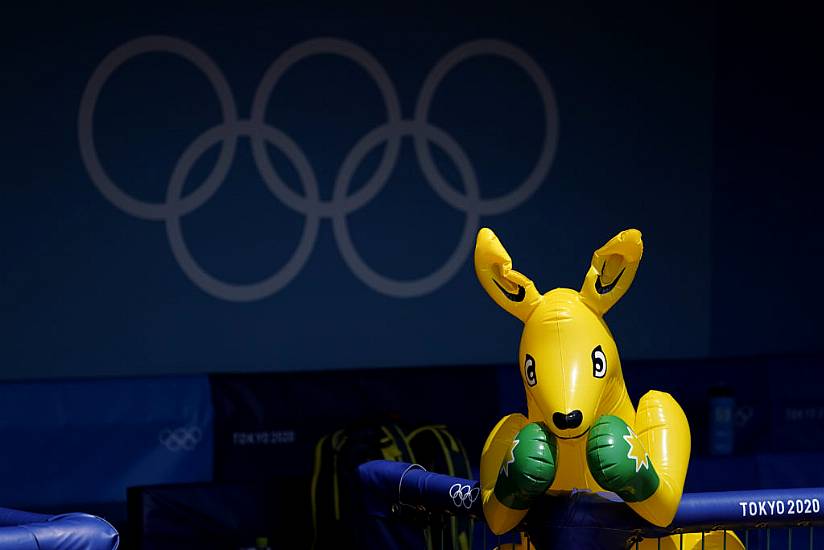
564 373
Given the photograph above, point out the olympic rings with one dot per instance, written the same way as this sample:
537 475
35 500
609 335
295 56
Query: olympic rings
539 172
424 285
275 282
463 496
310 203
393 114
184 438
125 202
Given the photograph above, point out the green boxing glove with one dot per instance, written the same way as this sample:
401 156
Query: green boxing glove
618 461
529 469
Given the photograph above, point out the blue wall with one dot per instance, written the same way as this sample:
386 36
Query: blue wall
642 109
768 243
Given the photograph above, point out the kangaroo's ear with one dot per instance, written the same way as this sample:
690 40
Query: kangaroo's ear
612 271
510 290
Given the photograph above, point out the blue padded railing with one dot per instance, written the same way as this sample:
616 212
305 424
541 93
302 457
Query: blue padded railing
602 517
28 531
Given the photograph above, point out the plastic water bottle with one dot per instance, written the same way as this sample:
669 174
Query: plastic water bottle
722 421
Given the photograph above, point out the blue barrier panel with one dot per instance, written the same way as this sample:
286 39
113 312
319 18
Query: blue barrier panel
86 441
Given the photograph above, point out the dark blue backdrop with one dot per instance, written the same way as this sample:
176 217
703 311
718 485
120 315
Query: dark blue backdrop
90 289
646 103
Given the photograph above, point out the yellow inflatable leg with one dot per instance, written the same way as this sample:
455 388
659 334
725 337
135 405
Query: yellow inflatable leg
665 434
499 518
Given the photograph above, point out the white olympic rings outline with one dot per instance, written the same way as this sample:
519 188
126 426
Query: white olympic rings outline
310 204
463 495
184 438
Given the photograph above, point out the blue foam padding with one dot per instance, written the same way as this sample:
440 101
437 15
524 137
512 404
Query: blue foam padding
388 483
27 531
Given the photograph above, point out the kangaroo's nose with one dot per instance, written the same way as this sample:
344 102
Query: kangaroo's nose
568 421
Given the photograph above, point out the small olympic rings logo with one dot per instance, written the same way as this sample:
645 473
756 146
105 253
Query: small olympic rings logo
184 438
463 495
309 204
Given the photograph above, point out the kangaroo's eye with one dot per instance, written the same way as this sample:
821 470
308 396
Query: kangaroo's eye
529 371
599 362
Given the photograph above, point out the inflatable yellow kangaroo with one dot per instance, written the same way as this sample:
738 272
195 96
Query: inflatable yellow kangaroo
582 431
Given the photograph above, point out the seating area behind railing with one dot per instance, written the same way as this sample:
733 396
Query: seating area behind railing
773 519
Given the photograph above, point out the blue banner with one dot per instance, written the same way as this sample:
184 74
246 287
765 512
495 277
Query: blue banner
234 189
66 443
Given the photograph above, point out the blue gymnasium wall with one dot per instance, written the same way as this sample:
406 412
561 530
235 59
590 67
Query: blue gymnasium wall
92 288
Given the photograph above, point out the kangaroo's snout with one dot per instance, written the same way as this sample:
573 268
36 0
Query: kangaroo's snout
568 421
